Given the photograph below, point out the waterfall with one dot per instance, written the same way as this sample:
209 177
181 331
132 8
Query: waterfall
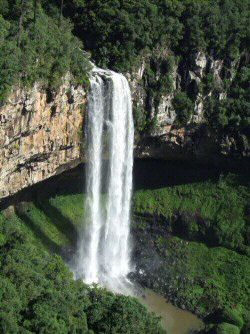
104 250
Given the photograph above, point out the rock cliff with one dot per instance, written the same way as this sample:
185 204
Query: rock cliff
40 135
160 133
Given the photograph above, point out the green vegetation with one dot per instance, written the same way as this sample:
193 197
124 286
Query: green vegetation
35 46
117 31
206 263
37 291
232 114
158 80
214 212
206 279
201 232
184 107
226 328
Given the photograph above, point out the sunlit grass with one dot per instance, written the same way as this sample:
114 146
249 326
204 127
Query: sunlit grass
70 206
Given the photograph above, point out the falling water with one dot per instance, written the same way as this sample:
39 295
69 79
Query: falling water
104 250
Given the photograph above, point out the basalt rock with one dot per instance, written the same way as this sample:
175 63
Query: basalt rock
41 132
40 135
163 137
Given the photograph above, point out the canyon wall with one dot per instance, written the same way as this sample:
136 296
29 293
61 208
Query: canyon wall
160 133
40 135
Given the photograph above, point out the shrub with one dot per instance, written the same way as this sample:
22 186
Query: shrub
183 107
226 328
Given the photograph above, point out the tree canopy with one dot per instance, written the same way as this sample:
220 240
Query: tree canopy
37 46
38 294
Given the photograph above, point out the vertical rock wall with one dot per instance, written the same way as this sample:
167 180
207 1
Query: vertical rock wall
40 135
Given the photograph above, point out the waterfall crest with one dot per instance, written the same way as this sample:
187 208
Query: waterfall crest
104 250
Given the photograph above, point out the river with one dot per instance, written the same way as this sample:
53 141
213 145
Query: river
174 320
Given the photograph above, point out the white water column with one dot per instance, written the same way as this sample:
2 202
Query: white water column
104 248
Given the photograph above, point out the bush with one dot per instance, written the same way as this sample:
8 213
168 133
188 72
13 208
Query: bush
233 316
183 107
226 328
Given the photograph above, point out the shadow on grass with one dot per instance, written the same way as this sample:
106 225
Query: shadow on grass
49 244
63 224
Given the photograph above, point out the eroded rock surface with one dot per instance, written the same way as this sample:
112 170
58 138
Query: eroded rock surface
40 135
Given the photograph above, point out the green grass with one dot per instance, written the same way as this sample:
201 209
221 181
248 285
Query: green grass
52 222
220 207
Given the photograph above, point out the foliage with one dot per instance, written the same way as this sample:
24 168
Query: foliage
157 79
199 246
117 31
214 212
205 285
233 316
38 293
37 47
226 328
183 107
232 113
190 274
200 278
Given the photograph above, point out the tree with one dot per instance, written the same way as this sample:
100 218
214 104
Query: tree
61 11
20 25
183 107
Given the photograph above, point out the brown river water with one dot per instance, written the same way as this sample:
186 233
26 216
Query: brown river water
174 320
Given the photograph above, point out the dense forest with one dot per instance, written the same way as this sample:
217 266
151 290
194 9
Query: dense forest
37 46
38 293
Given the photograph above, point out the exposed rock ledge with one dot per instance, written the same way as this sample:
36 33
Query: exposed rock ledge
40 135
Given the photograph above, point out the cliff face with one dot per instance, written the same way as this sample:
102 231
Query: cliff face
40 135
164 136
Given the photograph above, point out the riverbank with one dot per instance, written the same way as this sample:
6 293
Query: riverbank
173 319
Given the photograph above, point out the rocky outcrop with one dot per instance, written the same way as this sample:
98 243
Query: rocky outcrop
184 144
163 137
40 135
186 75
